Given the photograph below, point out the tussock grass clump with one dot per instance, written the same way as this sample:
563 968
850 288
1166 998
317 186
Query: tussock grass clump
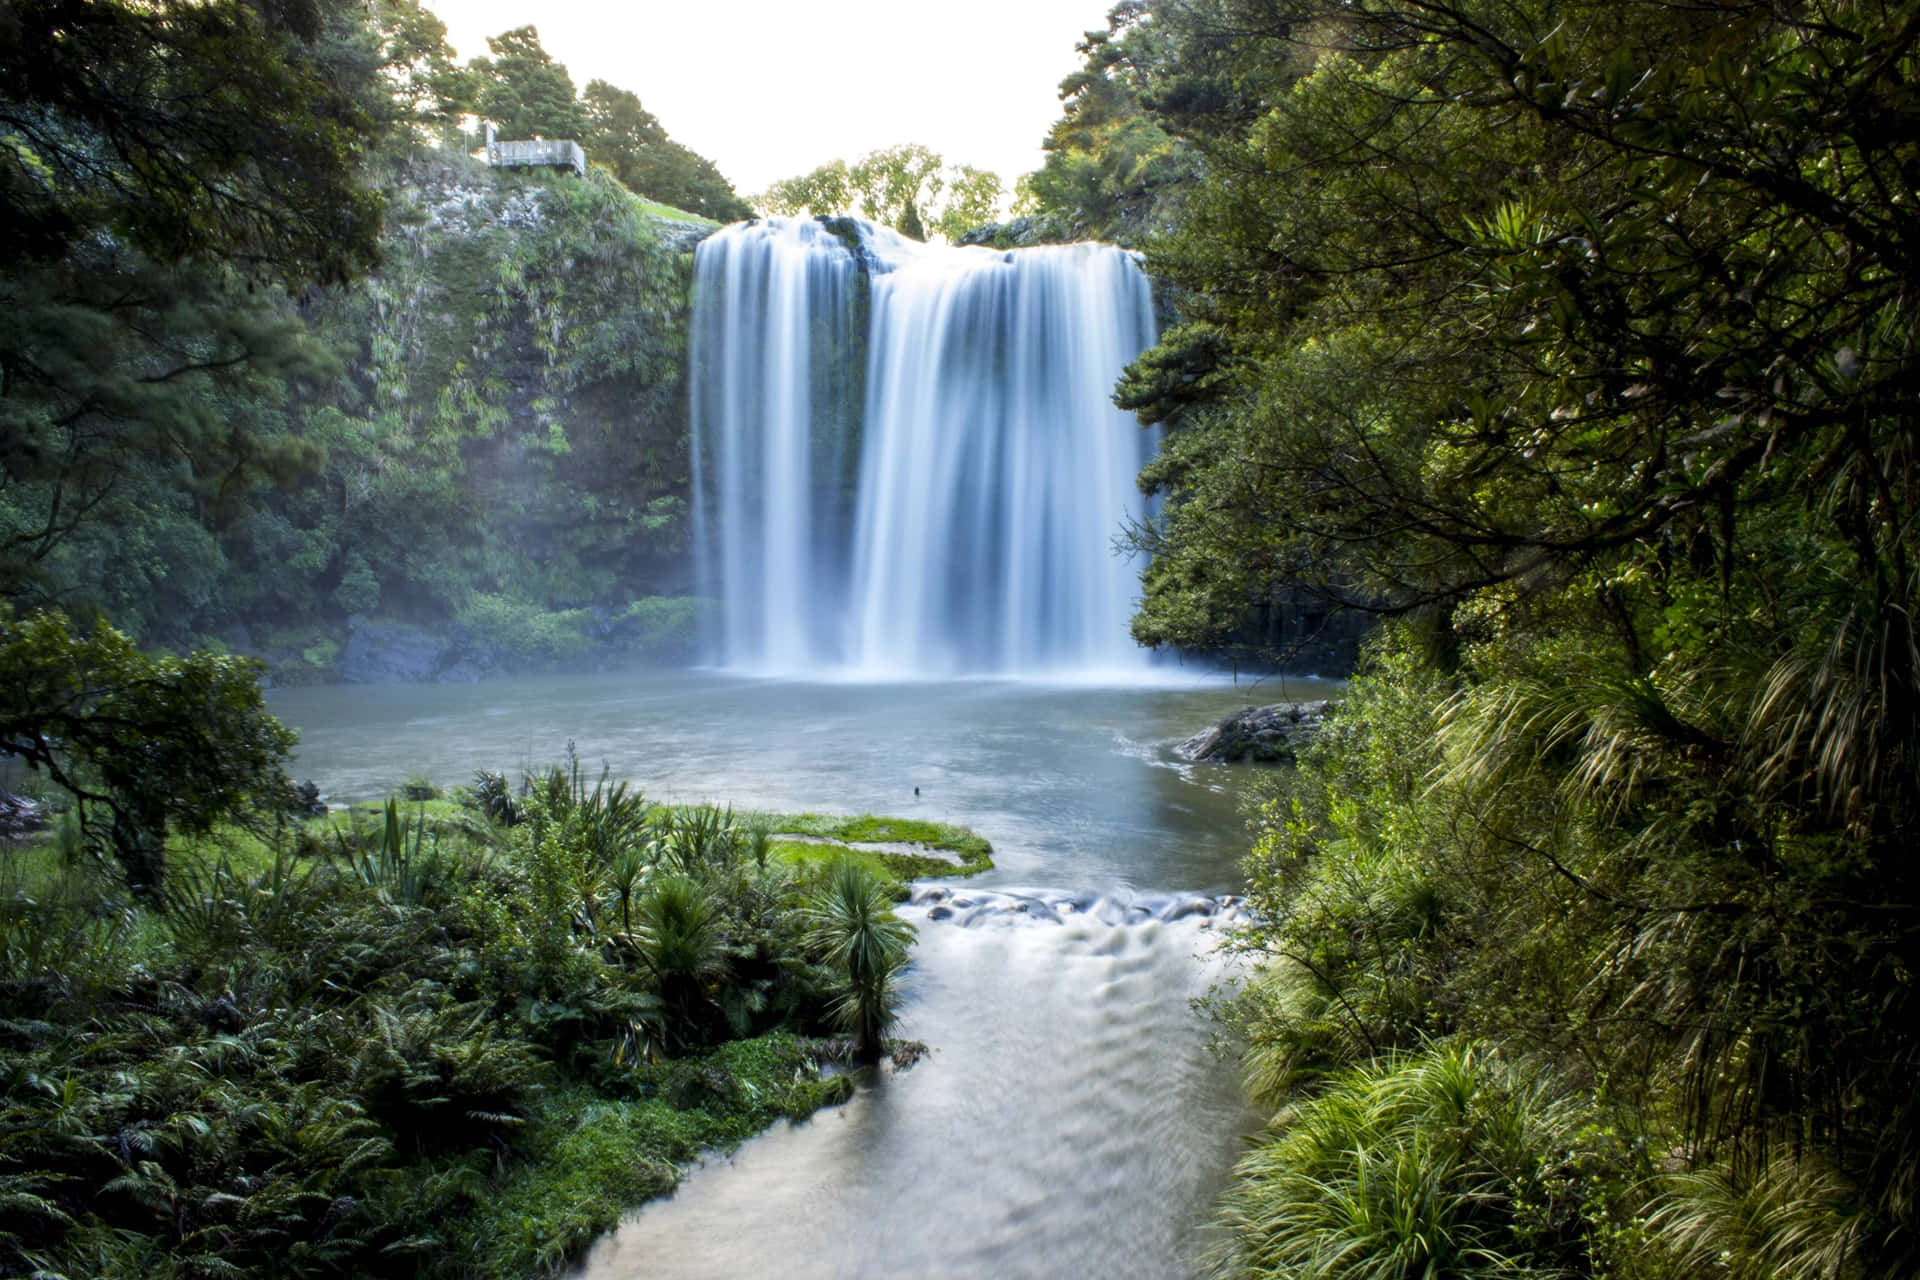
850 923
1446 1162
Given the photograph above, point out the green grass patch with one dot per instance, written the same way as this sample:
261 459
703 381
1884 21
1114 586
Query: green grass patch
591 1158
29 866
443 809
667 213
970 853
430 821
811 860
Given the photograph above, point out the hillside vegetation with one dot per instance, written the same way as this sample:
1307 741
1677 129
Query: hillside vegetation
467 416
1578 341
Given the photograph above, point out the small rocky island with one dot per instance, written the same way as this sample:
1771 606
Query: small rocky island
1270 735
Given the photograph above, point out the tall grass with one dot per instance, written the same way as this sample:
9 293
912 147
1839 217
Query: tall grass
1794 1219
1446 1162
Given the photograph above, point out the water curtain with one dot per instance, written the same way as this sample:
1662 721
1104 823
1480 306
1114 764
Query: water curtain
907 459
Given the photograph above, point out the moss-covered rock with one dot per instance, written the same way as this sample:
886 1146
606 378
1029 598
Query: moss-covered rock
1268 735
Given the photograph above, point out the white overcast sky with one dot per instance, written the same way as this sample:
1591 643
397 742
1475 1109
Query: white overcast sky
768 90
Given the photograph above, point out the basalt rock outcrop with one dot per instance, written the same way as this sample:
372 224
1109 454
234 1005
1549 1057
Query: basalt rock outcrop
1270 735
391 653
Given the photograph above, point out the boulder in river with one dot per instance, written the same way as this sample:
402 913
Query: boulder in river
20 817
391 653
1270 734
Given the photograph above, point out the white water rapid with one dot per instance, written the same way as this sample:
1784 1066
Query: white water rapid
908 462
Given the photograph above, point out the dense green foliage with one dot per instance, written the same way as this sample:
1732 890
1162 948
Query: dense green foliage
500 452
1512 851
509 451
908 188
161 167
125 408
165 170
1113 172
1547 296
226 130
421 1044
484 436
1582 336
140 744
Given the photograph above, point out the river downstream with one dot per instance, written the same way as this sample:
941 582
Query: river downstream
1069 1119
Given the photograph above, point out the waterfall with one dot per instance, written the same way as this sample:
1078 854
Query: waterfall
907 461
771 354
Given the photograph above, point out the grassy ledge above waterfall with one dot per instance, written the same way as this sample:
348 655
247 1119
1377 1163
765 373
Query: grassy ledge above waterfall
446 1036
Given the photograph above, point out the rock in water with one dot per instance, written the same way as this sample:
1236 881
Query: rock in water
1271 734
391 653
20 817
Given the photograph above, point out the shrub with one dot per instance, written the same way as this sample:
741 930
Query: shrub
359 589
419 787
146 743
493 797
525 632
665 626
1448 1162
850 923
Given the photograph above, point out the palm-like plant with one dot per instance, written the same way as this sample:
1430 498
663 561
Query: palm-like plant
402 868
700 839
493 797
850 922
679 939
600 821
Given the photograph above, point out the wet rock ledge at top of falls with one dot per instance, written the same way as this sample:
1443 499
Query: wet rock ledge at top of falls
1271 734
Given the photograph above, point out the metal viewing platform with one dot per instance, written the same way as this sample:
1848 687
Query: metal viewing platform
538 153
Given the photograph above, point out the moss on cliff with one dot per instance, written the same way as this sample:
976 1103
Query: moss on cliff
506 437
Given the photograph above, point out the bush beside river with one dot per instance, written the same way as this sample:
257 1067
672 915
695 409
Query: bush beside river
438 1037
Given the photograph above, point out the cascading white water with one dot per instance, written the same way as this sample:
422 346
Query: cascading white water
771 343
973 530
